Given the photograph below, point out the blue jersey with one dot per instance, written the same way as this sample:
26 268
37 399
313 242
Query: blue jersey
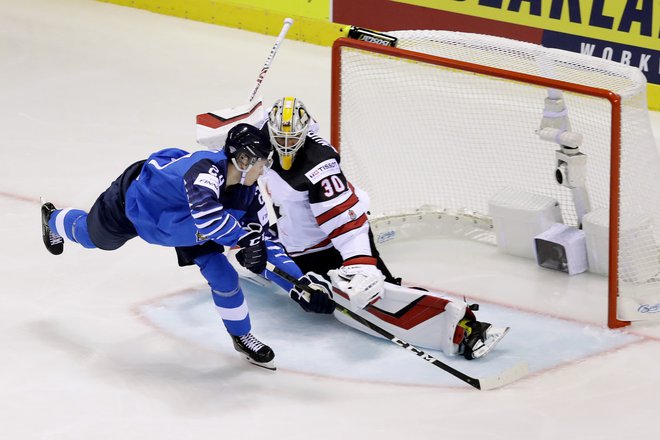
181 199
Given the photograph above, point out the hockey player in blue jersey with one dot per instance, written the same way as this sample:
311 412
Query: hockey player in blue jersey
197 203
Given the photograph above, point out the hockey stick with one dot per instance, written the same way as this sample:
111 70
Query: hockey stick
507 376
363 34
285 28
212 127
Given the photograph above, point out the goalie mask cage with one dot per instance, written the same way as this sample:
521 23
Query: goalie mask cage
434 128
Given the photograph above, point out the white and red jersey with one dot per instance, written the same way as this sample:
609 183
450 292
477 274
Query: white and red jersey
316 207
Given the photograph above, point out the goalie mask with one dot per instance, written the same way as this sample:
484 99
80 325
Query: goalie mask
288 124
246 146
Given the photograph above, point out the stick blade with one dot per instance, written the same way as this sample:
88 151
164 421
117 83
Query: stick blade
506 377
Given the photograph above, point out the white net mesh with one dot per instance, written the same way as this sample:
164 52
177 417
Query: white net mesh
414 133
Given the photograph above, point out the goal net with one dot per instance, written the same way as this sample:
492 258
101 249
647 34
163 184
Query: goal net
447 129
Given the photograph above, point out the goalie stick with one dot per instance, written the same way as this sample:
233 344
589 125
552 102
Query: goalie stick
285 28
488 383
212 127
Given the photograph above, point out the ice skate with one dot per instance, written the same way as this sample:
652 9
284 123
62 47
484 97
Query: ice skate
53 242
255 351
480 338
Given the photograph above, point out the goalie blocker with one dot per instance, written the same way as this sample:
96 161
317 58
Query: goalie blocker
423 319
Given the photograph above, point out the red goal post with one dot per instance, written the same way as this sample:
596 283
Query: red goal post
467 106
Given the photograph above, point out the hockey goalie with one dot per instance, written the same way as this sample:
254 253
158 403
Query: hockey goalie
321 236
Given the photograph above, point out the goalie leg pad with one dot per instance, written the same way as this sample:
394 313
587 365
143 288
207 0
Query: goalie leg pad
438 324
451 317
422 318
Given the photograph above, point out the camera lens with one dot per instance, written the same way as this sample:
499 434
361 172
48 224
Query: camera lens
560 174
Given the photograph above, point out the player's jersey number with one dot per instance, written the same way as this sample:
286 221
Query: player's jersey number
332 185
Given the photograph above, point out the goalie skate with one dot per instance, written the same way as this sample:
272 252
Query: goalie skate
254 351
480 338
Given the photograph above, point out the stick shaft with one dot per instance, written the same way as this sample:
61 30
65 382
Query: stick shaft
285 28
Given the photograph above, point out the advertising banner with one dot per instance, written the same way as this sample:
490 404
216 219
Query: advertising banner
625 31
319 9
632 22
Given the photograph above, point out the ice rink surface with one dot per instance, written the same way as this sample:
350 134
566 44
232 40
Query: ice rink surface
126 345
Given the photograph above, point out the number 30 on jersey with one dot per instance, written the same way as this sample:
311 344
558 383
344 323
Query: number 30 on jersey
332 185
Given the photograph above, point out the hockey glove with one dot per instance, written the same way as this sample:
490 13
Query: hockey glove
253 255
364 284
320 301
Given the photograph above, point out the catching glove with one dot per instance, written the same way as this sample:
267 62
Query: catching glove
320 301
364 284
252 255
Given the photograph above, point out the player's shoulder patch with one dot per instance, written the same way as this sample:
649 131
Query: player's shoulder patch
210 181
323 169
